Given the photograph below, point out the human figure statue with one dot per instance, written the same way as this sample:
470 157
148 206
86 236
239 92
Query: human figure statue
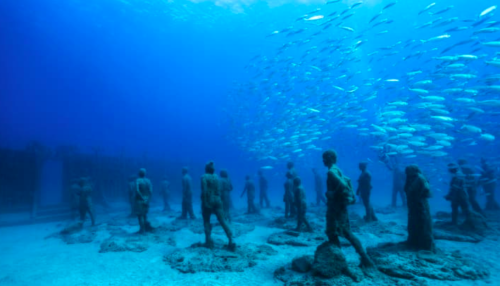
339 195
165 192
470 185
417 189
131 194
488 182
263 186
301 204
457 194
75 198
318 187
187 195
85 200
364 191
288 197
211 203
398 177
459 199
144 190
250 191
291 168
226 188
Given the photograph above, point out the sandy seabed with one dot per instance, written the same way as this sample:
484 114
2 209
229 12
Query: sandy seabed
30 256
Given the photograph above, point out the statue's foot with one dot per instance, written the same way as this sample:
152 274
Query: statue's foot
231 246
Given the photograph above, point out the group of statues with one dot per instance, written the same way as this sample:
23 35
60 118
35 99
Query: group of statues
410 184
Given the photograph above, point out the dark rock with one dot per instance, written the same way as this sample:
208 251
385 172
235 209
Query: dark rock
119 244
84 237
396 260
282 238
198 258
329 261
72 228
445 235
302 264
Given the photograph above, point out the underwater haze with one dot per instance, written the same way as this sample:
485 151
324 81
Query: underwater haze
252 85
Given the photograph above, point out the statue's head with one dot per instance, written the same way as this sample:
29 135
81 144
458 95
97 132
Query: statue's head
223 173
363 166
297 181
329 157
210 168
453 168
185 170
462 162
412 170
142 173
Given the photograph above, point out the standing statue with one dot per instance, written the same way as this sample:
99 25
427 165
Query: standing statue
288 197
187 195
420 236
459 199
211 203
318 187
144 190
301 205
364 191
470 185
398 177
165 191
131 194
263 186
339 196
85 199
250 190
489 182
226 188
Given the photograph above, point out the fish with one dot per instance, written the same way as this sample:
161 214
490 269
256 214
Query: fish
488 11
430 6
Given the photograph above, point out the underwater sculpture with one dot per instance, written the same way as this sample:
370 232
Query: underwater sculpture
318 187
85 200
301 205
187 195
263 186
288 196
250 191
458 197
340 195
420 236
142 199
291 169
226 188
165 192
211 203
131 194
364 191
488 182
470 185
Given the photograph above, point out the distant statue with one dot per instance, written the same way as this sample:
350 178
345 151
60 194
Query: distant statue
470 185
85 198
165 192
144 190
263 186
301 205
459 199
364 191
211 203
318 188
420 236
131 194
398 178
187 195
339 196
250 191
488 181
226 189
288 197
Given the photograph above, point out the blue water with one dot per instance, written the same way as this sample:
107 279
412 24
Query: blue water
154 76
